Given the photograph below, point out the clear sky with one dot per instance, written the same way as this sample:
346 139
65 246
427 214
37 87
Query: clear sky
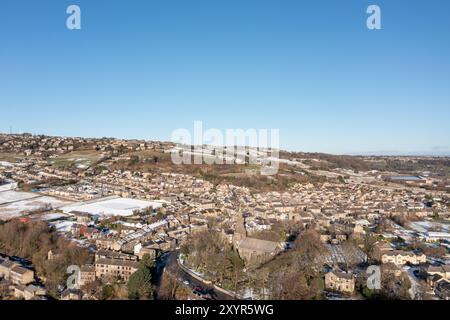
141 69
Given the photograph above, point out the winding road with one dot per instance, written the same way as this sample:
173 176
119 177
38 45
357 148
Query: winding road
168 263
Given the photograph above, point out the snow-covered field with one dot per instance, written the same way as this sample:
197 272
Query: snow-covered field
13 196
425 226
9 186
6 164
112 207
16 204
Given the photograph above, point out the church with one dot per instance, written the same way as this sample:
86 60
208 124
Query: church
253 251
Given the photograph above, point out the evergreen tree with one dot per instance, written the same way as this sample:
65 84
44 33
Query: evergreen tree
140 283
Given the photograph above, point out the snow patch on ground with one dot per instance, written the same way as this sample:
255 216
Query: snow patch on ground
112 207
62 226
25 203
425 226
13 196
9 186
53 216
6 164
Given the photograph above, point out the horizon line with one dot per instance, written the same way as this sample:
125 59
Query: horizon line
391 153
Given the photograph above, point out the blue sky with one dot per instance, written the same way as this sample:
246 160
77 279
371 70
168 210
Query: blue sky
141 69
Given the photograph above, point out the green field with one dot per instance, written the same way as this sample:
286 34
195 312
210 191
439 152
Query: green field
78 159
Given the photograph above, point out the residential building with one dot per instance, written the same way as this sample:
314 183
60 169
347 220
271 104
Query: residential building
115 268
339 281
398 257
15 273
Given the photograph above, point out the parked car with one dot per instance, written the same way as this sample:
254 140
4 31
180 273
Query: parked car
200 289
197 293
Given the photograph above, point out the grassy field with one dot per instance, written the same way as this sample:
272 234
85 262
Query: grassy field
78 159
9 157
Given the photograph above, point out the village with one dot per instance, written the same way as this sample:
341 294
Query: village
122 215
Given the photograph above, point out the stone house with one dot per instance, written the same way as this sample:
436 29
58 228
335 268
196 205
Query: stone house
338 281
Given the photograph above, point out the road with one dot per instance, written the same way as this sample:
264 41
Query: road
169 264
415 285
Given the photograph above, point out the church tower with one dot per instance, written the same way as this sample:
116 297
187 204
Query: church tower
239 230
